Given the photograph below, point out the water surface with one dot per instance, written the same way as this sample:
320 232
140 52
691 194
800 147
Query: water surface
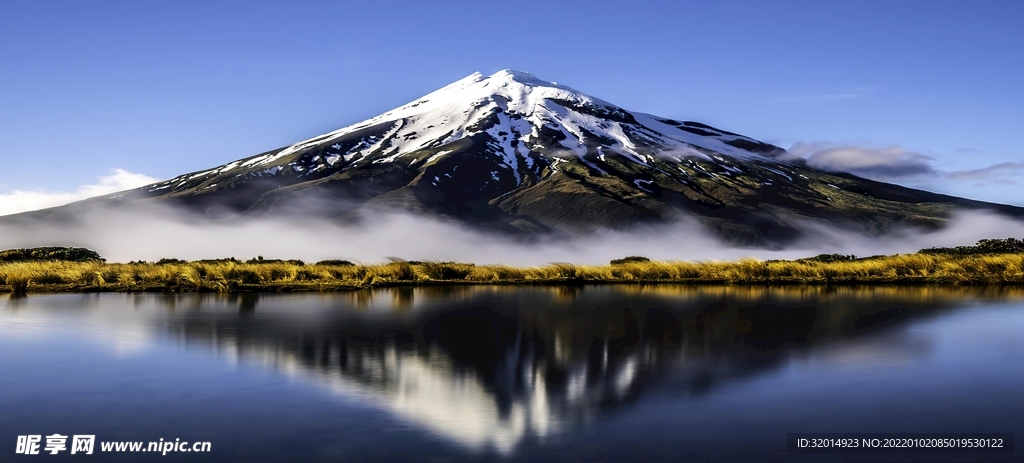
594 373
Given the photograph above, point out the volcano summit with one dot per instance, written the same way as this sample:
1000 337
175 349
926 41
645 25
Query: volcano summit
518 154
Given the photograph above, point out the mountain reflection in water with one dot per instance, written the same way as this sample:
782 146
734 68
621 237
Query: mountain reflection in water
489 367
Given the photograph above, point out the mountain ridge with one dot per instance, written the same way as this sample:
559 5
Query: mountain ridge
514 153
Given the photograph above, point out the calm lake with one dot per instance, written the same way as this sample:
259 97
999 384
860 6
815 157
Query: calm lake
478 373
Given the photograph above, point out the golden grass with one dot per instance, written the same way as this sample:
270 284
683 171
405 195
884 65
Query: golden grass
225 276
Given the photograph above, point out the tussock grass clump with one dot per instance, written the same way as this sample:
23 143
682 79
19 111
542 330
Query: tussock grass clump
50 277
562 270
244 275
395 271
19 284
497 273
312 274
645 271
402 271
446 270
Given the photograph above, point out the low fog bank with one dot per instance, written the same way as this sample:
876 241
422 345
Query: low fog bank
122 236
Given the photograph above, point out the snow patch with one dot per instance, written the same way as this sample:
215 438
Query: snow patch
642 187
438 155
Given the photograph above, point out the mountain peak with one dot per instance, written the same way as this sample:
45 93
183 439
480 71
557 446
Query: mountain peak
510 84
522 77
529 122
521 154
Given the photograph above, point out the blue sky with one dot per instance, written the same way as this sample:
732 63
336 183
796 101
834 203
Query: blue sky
932 89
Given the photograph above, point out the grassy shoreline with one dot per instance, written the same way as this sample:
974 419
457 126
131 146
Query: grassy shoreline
229 275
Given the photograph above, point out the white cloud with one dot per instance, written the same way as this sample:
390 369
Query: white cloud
997 173
22 201
153 231
899 164
879 163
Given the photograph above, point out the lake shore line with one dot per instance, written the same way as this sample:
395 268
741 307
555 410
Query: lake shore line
233 276
296 288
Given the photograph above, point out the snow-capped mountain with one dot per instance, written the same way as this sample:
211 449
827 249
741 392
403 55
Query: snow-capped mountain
518 112
513 152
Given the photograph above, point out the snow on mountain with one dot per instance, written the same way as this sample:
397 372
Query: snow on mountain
514 108
514 153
